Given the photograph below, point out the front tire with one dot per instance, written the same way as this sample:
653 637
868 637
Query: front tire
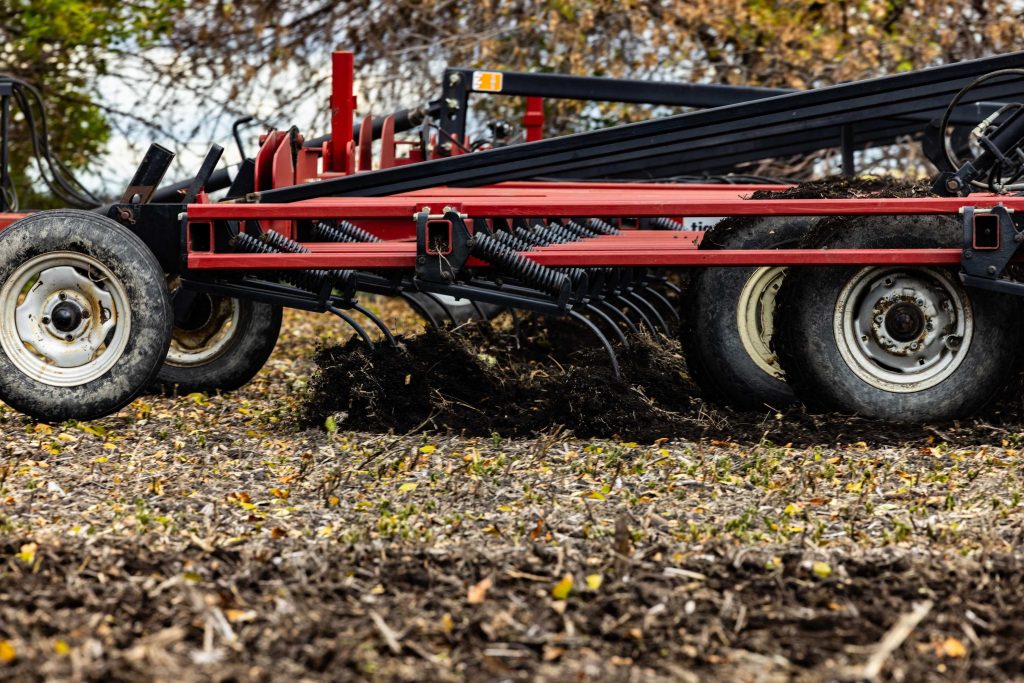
895 343
85 316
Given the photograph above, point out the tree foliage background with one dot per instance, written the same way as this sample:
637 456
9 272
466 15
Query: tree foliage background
180 71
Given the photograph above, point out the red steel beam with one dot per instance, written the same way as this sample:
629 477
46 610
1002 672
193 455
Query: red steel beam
403 255
631 206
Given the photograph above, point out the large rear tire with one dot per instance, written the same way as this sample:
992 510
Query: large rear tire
85 316
895 343
728 317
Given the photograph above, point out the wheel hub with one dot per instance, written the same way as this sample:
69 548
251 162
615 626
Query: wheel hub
903 330
204 331
61 322
66 316
755 312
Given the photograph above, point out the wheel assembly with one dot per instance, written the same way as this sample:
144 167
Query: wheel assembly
218 343
900 343
728 317
84 316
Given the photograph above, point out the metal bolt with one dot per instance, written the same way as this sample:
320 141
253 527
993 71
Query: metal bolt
69 337
888 282
421 260
914 346
63 296
991 270
878 319
85 314
968 254
46 320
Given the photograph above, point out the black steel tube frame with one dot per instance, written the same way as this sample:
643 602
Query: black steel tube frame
713 132
6 90
458 85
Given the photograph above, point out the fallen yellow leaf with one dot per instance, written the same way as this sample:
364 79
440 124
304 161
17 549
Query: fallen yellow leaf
594 581
951 647
7 652
562 589
821 570
478 592
28 553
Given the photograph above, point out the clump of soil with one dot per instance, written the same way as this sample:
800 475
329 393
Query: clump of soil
850 188
478 380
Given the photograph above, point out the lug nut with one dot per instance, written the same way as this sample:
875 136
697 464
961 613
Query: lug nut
69 337
46 320
63 296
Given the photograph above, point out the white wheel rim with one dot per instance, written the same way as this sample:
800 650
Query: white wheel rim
903 329
199 346
65 319
755 315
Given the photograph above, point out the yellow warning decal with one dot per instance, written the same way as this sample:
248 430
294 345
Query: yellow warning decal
487 81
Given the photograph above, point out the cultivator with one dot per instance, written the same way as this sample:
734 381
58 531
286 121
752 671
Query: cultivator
854 303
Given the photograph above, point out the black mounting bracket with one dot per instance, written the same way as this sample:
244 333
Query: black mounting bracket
443 245
991 240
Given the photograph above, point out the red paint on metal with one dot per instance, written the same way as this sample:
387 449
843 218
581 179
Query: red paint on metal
403 255
366 144
387 142
342 109
533 119
626 205
7 218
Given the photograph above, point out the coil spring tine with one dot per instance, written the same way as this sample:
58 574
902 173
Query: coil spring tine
444 307
594 310
602 227
376 321
343 231
666 223
511 241
614 311
617 298
353 324
479 311
420 309
651 291
577 229
650 309
533 274
576 315
515 325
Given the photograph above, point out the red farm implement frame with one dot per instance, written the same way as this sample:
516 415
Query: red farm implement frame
902 308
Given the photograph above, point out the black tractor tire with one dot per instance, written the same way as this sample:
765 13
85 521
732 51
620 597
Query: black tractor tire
207 354
721 359
851 366
108 339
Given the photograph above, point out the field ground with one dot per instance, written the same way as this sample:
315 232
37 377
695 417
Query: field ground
212 538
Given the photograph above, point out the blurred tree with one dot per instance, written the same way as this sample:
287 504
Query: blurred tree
222 59
62 48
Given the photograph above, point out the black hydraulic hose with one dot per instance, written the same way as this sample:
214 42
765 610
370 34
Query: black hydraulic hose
172 194
405 119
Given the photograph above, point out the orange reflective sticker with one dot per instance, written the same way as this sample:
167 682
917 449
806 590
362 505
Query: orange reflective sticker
487 81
